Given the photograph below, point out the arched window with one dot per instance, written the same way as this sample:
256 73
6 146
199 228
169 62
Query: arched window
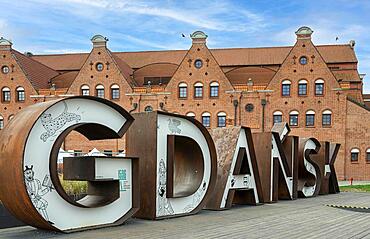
21 96
326 118
293 118
319 87
183 90
368 155
99 91
214 86
190 114
302 87
5 94
277 117
198 90
354 154
1 122
114 91
10 117
148 108
285 88
221 119
85 90
206 119
310 118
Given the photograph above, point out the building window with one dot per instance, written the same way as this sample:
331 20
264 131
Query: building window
319 87
302 87
354 154
6 94
77 153
214 89
115 94
277 117
293 118
198 90
190 114
85 90
21 96
206 119
100 91
221 119
108 153
198 63
5 69
368 155
183 90
10 117
303 60
310 118
99 66
326 118
1 122
148 108
285 88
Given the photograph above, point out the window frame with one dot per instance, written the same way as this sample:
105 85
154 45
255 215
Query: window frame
221 115
355 153
96 66
98 89
6 95
198 85
113 88
300 60
327 113
302 83
286 83
84 88
214 85
20 91
367 155
322 83
1 122
5 67
292 114
195 63
279 114
183 86
206 115
310 113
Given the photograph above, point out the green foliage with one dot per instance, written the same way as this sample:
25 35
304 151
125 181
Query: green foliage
355 188
73 187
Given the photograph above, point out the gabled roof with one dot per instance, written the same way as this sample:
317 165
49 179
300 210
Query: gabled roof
64 80
125 69
225 57
38 74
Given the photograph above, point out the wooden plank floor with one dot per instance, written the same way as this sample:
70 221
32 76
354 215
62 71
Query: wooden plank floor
303 218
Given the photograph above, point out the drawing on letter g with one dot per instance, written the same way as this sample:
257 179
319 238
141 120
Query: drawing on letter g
52 125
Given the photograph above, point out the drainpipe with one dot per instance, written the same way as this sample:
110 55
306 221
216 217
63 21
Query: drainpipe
263 103
134 107
235 103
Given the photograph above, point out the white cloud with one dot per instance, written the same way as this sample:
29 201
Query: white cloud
232 18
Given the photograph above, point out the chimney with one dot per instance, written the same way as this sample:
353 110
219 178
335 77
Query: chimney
199 37
5 44
99 41
304 33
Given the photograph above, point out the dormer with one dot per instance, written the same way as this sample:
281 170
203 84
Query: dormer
304 33
199 37
5 44
99 41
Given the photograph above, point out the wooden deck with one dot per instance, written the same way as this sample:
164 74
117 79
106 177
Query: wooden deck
303 218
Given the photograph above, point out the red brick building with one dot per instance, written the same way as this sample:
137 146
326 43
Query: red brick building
315 88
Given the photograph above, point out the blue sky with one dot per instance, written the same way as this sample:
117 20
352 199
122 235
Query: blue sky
60 26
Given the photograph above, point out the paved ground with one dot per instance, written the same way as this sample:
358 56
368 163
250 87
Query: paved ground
303 218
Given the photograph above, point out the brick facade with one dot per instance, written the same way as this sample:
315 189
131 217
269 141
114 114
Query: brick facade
249 88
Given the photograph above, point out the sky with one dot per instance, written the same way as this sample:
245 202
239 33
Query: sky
66 26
